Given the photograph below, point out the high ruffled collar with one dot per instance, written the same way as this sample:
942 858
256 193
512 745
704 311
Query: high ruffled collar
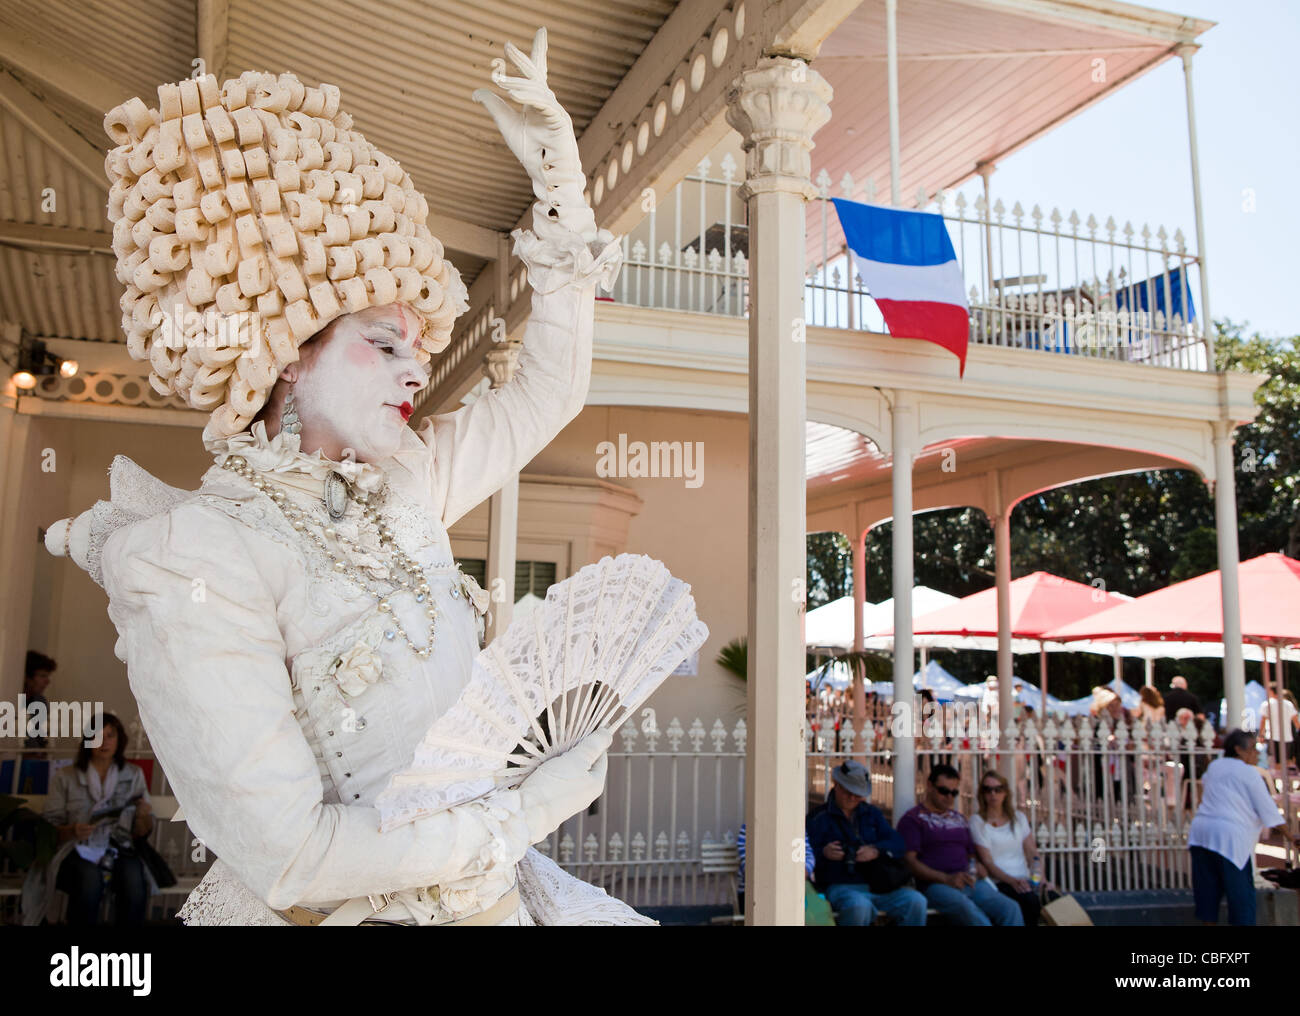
282 455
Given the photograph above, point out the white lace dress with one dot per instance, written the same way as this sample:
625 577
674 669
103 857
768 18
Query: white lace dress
279 699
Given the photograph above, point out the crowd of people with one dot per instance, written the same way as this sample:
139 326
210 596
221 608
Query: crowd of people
983 870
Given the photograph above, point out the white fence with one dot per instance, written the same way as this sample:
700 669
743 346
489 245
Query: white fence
1044 281
690 252
669 793
1109 806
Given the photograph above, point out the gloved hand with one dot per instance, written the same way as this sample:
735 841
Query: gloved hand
541 137
564 785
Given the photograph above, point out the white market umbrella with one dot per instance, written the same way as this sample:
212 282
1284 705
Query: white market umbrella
831 625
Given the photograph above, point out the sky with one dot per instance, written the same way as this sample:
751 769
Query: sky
1136 165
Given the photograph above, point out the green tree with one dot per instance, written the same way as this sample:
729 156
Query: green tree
830 568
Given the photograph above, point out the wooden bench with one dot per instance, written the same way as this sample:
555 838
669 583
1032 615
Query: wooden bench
723 859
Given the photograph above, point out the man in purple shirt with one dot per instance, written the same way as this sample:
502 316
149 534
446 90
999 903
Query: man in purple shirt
941 855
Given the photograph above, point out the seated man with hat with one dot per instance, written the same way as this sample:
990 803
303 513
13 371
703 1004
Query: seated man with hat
859 854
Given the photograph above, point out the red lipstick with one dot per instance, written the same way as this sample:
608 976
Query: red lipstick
406 409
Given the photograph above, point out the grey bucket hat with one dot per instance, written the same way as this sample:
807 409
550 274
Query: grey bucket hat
853 777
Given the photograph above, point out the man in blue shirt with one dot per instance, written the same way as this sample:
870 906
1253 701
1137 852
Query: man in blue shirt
854 843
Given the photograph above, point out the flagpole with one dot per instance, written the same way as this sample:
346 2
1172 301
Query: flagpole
1185 51
891 36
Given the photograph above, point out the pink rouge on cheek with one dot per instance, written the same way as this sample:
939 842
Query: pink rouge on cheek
362 354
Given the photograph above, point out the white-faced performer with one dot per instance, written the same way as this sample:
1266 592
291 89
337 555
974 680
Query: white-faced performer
294 626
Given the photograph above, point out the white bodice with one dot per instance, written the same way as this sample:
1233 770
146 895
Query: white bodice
360 732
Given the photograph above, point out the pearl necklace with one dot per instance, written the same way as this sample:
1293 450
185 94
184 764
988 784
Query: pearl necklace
411 577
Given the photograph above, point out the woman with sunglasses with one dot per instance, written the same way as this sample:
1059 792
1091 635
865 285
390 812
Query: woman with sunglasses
1005 845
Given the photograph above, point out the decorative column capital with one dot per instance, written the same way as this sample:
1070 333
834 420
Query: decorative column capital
1224 431
777 107
500 363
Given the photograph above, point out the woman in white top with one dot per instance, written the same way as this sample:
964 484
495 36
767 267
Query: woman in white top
1005 845
98 804
1236 807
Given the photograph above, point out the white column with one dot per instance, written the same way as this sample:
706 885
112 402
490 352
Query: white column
859 635
1002 579
985 170
1150 673
499 366
777 107
1042 683
904 440
1186 51
1284 749
503 507
19 459
1225 526
503 538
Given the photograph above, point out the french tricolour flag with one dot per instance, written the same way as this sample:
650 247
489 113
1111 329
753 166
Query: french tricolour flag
908 264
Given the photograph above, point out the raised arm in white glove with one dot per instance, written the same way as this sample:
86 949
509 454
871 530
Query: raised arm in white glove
564 785
541 137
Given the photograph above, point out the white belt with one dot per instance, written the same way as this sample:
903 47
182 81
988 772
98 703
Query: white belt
362 910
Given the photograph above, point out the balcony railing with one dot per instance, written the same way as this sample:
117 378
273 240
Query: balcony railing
1041 281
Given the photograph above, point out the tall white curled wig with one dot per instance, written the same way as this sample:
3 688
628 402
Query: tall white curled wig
247 217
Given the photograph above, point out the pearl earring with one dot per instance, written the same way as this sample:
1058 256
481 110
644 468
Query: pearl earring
289 422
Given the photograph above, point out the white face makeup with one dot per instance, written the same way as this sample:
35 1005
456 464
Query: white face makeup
357 392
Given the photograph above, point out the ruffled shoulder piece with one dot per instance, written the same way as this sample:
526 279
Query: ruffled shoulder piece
134 494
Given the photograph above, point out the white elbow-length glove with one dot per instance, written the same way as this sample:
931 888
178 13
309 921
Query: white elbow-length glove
541 138
564 245
564 785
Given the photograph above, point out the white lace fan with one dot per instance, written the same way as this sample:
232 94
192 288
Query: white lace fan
585 658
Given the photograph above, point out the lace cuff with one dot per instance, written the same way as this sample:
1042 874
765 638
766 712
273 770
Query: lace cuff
556 256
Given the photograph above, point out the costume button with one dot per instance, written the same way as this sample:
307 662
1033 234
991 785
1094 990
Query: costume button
338 754
356 797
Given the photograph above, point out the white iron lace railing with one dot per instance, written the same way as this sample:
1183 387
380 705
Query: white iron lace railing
1040 281
690 251
1109 805
670 796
